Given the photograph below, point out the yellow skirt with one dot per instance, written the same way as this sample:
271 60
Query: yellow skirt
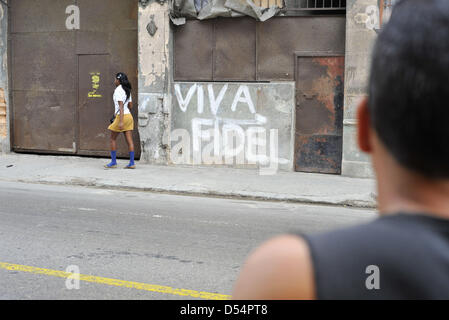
128 123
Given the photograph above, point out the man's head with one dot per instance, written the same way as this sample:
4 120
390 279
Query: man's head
408 104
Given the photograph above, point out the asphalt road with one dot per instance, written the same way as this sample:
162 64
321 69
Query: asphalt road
163 242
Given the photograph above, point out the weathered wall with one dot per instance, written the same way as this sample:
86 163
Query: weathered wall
233 124
4 105
154 80
157 96
362 20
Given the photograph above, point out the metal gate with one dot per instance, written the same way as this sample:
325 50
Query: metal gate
62 80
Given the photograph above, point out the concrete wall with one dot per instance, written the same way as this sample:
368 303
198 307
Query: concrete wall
4 101
154 56
362 20
233 124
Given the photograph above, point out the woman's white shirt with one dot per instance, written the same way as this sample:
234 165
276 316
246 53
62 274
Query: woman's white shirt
120 95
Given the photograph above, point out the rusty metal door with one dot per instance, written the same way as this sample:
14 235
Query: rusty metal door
319 112
62 80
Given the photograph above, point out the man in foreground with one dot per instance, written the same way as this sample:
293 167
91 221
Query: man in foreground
404 125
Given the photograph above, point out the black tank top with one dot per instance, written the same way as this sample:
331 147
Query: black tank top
401 256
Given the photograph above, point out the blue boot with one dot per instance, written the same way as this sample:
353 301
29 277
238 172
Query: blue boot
113 163
131 164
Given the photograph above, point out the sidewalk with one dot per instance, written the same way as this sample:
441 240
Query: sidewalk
199 181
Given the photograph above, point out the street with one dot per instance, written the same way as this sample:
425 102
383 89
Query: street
167 242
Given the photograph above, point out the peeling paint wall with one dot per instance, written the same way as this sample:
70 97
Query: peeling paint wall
154 81
4 105
362 21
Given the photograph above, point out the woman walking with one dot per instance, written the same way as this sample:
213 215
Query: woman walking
123 121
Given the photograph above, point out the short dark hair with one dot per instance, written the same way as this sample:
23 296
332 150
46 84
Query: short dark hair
409 86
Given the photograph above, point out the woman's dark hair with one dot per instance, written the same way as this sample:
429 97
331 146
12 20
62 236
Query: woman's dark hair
123 79
409 90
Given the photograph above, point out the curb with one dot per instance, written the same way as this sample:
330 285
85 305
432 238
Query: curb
367 201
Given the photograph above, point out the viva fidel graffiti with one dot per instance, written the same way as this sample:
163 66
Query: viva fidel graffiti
221 124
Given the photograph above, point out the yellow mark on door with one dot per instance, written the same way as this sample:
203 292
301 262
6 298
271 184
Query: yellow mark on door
95 76
117 282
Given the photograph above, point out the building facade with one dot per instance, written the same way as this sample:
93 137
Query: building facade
278 94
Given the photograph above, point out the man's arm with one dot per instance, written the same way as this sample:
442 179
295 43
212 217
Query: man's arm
280 269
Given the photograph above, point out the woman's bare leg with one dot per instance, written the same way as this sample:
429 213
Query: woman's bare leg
129 140
113 143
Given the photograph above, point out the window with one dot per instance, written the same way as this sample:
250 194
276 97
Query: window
305 7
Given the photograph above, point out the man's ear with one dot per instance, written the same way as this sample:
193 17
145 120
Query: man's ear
364 126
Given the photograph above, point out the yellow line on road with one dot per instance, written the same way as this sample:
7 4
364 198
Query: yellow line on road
117 282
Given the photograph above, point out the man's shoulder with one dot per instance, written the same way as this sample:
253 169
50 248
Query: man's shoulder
279 269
